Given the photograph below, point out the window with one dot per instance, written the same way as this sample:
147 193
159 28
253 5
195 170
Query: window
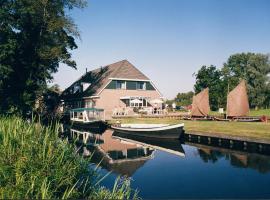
77 88
120 85
89 104
141 86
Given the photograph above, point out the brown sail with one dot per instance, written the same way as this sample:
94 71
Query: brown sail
200 104
237 101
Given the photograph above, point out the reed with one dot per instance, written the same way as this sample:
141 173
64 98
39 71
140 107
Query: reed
35 163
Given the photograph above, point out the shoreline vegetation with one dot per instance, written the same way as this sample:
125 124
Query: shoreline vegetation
36 164
250 131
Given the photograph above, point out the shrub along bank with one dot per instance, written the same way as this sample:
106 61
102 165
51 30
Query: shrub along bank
35 163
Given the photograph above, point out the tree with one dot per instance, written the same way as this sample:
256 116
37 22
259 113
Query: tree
184 99
35 36
253 68
49 104
210 77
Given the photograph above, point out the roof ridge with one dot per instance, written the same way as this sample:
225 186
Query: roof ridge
109 65
118 68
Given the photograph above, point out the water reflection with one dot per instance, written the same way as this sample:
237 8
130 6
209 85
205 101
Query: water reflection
124 154
170 169
114 154
118 153
239 159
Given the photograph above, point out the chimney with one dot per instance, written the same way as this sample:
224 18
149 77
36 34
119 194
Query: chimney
86 70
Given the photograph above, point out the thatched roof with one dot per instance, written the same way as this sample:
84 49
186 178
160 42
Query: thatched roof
237 101
200 104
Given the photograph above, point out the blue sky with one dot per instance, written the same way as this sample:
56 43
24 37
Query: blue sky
168 40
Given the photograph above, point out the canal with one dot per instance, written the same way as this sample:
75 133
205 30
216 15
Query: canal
174 169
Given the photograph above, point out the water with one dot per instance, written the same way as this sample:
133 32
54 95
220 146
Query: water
169 169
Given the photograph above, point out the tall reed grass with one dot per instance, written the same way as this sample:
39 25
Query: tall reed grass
35 163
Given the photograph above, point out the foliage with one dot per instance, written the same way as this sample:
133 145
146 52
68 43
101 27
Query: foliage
35 36
184 99
121 190
36 164
48 105
253 68
210 77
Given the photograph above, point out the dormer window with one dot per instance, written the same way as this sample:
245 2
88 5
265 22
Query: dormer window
141 86
85 86
77 88
121 85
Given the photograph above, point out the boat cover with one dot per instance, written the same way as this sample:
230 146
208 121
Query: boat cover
200 104
237 101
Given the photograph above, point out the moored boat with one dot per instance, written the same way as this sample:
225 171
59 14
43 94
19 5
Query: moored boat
152 130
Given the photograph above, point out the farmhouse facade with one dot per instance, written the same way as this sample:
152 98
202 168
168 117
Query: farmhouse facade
118 85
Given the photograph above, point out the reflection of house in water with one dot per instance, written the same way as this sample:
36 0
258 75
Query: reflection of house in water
117 155
121 154
117 149
86 137
236 158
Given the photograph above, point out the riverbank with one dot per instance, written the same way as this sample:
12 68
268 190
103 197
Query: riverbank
252 113
36 164
250 131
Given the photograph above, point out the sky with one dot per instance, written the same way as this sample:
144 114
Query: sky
168 40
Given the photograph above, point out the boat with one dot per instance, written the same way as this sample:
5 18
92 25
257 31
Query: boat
167 145
200 105
247 119
88 117
237 101
151 130
221 119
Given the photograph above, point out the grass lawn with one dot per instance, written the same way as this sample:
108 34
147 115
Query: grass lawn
248 130
260 112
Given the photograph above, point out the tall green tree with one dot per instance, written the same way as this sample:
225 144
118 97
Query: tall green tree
184 99
254 68
35 36
210 77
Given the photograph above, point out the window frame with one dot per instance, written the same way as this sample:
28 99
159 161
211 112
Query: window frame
143 85
121 82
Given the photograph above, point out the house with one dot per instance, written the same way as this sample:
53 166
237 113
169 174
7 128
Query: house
118 85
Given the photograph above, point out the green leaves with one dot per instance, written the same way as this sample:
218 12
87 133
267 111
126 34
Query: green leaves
35 36
184 99
254 68
210 77
36 164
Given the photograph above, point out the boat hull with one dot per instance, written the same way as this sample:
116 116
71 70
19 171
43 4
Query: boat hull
95 127
172 133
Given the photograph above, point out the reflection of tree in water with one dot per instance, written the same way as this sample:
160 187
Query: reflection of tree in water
260 163
208 155
257 162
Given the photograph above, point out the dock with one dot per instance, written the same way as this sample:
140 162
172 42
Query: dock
229 142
